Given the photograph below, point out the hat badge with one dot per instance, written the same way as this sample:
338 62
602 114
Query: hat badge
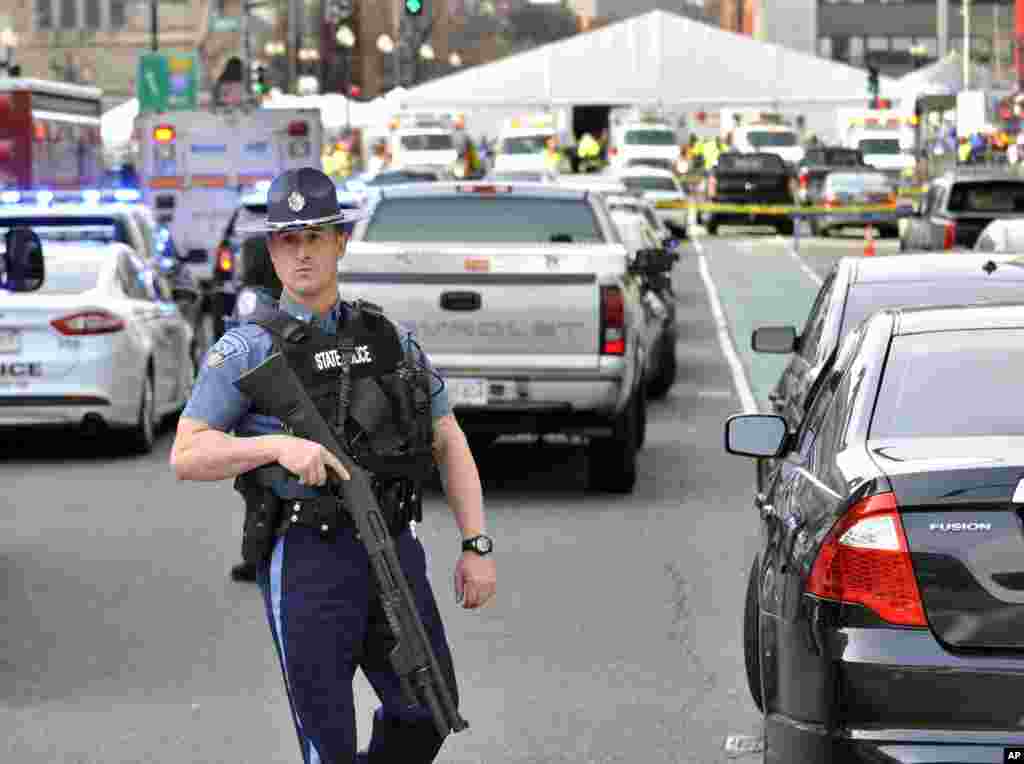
296 201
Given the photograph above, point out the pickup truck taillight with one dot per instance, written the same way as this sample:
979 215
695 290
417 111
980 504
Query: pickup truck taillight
949 235
613 321
803 179
831 200
225 259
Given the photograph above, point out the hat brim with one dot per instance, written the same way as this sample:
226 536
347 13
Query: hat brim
343 217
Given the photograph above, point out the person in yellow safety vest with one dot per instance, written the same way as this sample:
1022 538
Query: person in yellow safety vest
552 156
589 152
964 150
343 160
711 152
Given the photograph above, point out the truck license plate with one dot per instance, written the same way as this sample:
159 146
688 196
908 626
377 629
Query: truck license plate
463 391
10 341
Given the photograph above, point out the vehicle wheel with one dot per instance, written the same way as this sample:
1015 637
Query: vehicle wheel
711 226
142 436
659 386
891 232
813 225
611 462
641 428
785 229
206 330
751 638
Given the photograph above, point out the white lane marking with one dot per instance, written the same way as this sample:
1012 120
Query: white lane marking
739 376
808 271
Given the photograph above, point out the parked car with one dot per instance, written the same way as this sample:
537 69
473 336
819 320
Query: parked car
1002 236
817 163
100 345
855 288
958 207
845 189
662 189
883 617
749 179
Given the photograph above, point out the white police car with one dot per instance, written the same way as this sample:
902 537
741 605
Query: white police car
101 345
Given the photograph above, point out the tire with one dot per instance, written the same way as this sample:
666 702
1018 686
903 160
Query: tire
658 387
785 229
813 225
641 430
142 436
711 227
890 232
611 462
205 336
751 638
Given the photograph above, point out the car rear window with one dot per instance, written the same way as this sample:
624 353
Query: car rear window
69 275
760 163
650 138
524 144
852 182
648 183
925 373
865 298
427 142
772 138
103 230
880 146
475 218
988 196
840 158
398 178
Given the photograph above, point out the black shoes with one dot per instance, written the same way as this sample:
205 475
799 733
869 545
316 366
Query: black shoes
243 571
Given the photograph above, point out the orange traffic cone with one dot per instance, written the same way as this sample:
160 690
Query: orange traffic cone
869 241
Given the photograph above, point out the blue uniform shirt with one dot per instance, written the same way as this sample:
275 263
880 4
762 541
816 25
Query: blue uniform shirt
216 401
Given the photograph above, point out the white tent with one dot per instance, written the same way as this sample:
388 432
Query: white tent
656 58
336 114
116 125
942 78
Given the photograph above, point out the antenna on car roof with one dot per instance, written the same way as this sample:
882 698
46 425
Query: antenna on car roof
989 267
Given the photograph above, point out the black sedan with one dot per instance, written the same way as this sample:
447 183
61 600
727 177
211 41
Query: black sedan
884 619
857 287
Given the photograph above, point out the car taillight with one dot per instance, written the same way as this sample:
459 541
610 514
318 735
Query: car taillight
949 235
613 321
613 152
88 322
225 259
831 200
298 129
712 186
803 180
865 560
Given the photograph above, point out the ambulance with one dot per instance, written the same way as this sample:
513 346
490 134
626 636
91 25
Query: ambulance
425 139
642 138
195 166
762 132
521 143
885 138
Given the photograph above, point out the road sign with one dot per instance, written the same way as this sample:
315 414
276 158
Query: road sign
167 82
225 23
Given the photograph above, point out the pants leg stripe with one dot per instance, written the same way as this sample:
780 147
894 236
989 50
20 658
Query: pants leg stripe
273 600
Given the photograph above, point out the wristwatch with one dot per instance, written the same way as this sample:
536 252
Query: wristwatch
482 545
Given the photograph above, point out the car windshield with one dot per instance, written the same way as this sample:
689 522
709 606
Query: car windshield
69 275
865 298
104 230
987 196
839 157
477 218
650 138
524 144
649 183
925 372
858 183
428 142
397 178
879 146
771 138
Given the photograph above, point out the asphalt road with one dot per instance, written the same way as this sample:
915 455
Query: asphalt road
615 634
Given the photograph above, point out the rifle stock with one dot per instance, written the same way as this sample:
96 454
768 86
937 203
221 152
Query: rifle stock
275 388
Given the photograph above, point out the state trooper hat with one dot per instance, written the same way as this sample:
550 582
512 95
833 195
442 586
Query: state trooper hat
304 198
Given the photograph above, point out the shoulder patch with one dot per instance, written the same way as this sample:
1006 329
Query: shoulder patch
230 345
247 303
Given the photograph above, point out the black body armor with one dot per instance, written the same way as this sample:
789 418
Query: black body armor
380 411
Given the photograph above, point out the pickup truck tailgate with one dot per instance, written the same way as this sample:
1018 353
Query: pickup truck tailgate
535 302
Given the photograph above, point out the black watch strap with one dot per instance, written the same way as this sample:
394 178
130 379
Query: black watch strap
482 545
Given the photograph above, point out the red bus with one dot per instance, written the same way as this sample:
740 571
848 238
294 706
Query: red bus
49 135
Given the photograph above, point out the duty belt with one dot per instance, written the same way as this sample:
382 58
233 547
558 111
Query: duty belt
325 514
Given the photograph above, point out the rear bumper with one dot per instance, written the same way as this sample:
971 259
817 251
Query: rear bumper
54 410
859 219
792 742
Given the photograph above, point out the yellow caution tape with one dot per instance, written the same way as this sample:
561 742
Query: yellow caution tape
786 209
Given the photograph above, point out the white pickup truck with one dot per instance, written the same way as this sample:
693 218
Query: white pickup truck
525 299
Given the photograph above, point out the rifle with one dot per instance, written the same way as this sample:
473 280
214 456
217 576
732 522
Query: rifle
275 388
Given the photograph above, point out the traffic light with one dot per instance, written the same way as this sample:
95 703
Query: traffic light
259 79
355 91
414 7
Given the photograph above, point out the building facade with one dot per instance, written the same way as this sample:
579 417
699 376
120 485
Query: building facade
898 36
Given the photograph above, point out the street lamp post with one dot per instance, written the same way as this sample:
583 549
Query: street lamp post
346 38
967 44
455 60
427 55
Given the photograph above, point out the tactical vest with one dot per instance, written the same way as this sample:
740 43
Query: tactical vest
380 411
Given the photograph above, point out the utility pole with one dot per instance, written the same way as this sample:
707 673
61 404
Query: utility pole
294 36
154 25
967 44
942 28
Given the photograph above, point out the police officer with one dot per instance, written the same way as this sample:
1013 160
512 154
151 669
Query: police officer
320 596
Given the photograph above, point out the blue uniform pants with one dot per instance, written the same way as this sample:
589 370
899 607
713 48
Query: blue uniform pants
326 620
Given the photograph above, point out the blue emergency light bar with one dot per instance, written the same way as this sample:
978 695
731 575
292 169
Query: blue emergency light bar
91 196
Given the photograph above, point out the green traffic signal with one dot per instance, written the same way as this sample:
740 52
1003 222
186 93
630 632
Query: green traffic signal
414 7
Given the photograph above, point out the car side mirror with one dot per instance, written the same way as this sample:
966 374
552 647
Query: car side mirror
197 256
774 339
650 261
21 267
762 436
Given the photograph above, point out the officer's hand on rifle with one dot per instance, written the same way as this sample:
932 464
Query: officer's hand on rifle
309 460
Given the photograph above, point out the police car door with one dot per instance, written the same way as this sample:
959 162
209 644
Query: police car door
146 315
